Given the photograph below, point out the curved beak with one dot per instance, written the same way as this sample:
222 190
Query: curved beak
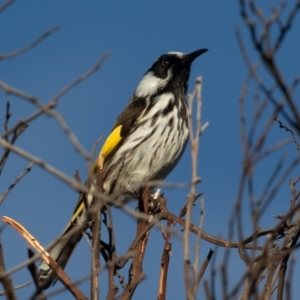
192 56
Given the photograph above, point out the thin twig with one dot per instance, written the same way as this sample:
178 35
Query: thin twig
48 108
5 280
136 269
194 140
7 115
204 267
268 93
41 163
17 287
281 125
30 46
17 179
95 265
164 263
19 130
197 250
267 55
60 274
112 288
6 4
81 78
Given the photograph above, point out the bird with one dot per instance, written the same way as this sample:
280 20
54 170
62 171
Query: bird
145 144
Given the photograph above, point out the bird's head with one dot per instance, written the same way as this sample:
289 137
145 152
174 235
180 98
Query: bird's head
169 71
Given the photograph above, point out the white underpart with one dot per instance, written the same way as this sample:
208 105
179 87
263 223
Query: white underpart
179 54
172 144
150 84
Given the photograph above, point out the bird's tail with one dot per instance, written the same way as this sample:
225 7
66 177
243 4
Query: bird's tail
64 247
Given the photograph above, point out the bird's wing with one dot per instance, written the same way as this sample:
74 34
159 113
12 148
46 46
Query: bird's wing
130 116
124 125
111 144
107 149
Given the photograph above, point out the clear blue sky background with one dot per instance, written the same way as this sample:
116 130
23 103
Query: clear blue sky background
135 33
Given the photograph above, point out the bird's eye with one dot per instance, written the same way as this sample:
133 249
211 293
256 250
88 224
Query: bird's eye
165 63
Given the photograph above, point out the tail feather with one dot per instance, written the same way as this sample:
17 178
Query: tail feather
63 249
61 252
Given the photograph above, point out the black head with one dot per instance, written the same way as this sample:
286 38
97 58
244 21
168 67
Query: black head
169 71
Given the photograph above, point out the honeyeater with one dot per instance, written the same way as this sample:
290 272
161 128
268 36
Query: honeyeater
145 144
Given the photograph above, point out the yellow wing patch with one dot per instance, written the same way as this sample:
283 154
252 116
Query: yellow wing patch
109 146
111 142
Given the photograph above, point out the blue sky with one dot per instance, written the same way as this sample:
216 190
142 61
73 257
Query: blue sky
135 34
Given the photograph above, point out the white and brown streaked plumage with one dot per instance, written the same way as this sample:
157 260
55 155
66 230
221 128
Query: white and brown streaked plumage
145 144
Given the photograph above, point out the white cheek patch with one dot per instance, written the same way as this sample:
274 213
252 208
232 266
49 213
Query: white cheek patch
150 84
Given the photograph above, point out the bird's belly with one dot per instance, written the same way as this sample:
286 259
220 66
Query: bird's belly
146 156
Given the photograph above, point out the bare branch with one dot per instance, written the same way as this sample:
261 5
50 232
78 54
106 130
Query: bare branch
164 263
268 93
95 265
48 108
111 266
18 131
286 27
7 115
83 77
17 287
43 165
30 46
5 280
267 54
203 267
197 250
61 275
28 169
136 268
281 125
6 4
194 139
